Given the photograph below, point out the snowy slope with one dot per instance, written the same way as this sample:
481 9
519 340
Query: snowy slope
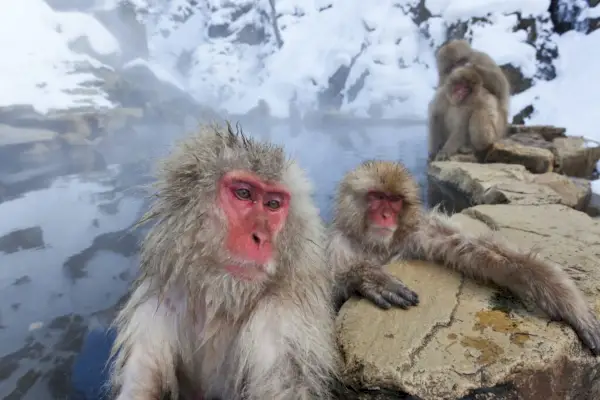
319 53
388 48
37 65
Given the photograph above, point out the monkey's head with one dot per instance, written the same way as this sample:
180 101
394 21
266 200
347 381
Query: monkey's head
451 55
229 209
462 83
376 200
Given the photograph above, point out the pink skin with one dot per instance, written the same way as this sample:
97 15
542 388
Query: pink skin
460 91
382 210
256 212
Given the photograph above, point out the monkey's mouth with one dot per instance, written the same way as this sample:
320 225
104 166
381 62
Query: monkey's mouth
247 272
383 230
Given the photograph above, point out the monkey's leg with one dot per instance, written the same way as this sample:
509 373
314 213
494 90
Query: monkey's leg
455 142
383 289
487 259
145 364
437 134
483 131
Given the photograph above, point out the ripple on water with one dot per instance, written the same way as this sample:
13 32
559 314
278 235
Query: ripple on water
67 256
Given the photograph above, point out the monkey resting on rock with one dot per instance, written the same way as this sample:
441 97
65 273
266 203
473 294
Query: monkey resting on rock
378 219
469 110
234 298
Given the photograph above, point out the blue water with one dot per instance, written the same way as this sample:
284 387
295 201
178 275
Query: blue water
58 298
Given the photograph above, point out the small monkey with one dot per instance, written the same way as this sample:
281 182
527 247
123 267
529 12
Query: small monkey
379 219
464 116
455 53
234 299
450 56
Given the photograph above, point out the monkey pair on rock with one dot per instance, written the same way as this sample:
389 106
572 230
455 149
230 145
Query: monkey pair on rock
236 291
469 111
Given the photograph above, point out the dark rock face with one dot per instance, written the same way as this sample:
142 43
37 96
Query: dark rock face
22 239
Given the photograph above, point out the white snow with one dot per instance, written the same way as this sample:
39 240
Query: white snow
37 65
158 70
572 99
390 57
454 10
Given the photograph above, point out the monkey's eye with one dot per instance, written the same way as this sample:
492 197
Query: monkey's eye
375 196
395 199
273 204
243 194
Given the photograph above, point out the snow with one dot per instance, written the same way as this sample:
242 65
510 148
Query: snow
158 70
455 10
389 57
37 65
571 99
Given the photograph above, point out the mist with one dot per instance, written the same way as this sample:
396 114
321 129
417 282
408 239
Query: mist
76 161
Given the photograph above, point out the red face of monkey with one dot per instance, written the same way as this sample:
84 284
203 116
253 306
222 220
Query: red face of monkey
382 212
460 91
256 211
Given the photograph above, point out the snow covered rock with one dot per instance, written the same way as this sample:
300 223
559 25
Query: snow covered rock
510 184
344 56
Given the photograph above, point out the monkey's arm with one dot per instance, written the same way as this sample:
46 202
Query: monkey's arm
487 259
455 144
492 75
484 122
144 366
355 275
437 133
287 346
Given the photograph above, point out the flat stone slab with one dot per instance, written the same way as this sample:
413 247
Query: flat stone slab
471 341
510 184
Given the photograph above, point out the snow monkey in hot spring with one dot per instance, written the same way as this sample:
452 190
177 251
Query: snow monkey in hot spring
234 297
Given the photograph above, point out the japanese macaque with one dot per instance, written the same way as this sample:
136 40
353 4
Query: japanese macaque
469 111
465 118
456 53
234 298
379 219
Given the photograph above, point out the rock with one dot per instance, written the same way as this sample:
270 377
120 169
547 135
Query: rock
548 132
22 239
120 119
535 159
574 158
509 183
123 23
470 341
574 192
11 135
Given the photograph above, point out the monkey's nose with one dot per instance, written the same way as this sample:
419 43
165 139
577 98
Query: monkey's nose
258 238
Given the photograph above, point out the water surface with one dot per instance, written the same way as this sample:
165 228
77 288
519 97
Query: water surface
67 254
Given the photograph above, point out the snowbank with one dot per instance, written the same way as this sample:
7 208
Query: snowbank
363 58
572 99
319 53
37 65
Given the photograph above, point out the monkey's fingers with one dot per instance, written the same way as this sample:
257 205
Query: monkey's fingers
376 298
398 288
396 300
589 334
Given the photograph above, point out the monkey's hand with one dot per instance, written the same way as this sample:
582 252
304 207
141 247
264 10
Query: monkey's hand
587 328
442 156
383 289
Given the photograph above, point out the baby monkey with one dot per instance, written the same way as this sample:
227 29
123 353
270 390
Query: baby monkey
465 116
378 219
469 111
